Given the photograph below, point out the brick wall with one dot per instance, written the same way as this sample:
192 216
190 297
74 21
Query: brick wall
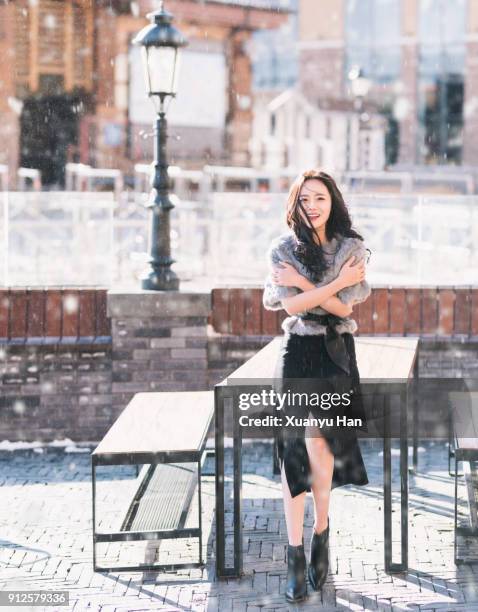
54 391
47 316
445 319
67 369
55 364
432 312
159 342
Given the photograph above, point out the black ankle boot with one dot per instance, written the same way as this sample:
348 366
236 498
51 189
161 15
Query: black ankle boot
296 587
319 558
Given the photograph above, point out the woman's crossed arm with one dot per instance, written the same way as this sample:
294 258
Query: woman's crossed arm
324 296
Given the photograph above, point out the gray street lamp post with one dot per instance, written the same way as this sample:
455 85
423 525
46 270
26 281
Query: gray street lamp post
160 43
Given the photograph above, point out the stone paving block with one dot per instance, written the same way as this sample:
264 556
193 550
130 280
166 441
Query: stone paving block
55 520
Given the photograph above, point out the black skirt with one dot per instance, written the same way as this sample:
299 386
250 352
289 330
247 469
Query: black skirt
306 357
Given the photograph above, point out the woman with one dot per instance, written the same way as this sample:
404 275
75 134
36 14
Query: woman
317 275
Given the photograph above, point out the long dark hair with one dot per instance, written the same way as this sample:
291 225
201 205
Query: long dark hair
307 250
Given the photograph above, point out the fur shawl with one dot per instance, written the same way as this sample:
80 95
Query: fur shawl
337 253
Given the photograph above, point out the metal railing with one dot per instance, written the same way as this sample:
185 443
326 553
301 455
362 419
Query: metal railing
89 239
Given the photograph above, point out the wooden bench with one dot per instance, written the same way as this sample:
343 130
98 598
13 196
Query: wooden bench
464 411
158 431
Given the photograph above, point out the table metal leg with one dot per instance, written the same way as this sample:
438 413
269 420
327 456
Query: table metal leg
275 462
220 395
93 484
450 437
455 521
237 433
220 507
387 485
415 417
200 511
404 397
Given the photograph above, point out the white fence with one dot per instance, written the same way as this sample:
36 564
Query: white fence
56 238
88 239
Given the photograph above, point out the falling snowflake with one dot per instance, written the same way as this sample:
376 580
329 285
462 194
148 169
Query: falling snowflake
47 387
70 304
19 407
401 108
49 21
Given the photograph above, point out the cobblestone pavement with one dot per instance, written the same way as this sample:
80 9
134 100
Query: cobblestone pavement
45 541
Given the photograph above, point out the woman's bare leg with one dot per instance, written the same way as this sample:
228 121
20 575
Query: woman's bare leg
294 512
321 461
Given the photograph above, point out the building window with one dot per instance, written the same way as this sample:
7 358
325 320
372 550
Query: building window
373 38
442 29
273 54
442 22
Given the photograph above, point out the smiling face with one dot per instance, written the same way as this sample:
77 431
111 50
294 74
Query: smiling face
315 198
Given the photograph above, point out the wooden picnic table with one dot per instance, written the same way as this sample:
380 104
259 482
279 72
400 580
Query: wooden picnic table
388 363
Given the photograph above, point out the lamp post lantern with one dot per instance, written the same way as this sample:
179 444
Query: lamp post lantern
160 44
360 86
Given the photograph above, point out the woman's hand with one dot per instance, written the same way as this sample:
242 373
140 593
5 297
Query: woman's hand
287 275
352 273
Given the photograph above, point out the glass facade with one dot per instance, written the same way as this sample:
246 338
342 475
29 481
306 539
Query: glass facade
274 54
441 32
372 43
373 38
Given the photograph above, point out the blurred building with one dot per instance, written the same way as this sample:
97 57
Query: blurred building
421 58
274 54
71 84
291 132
